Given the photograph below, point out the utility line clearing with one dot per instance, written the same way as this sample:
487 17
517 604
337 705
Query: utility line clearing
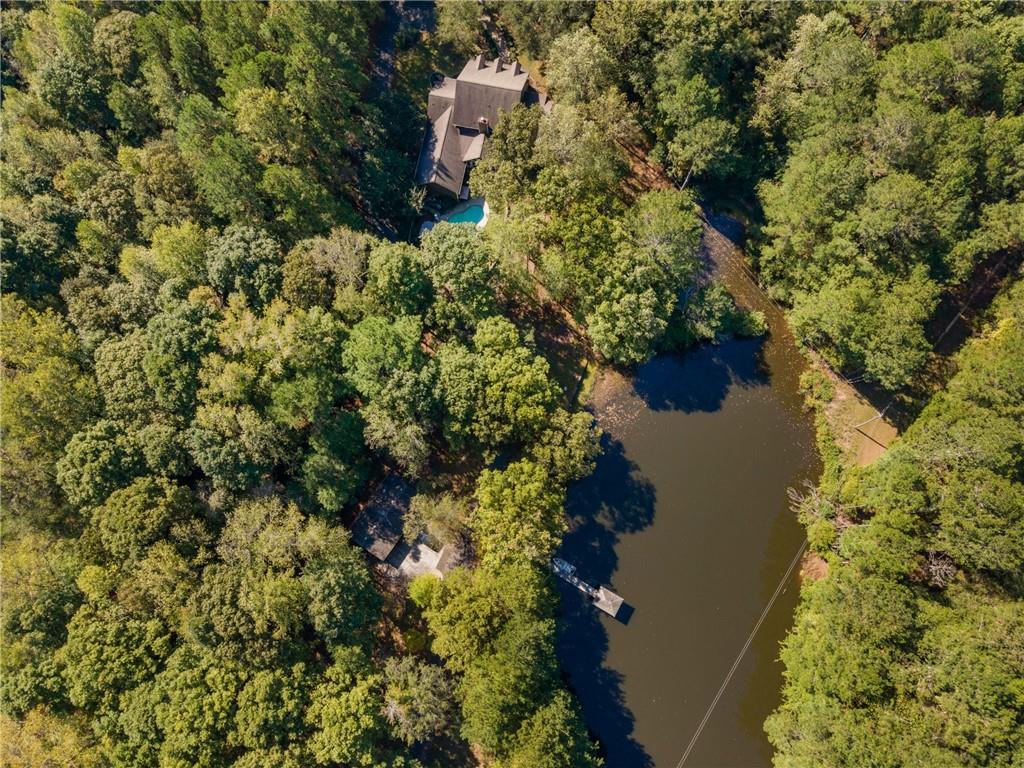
743 652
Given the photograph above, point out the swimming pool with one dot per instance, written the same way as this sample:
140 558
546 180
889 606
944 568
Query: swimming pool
472 211
472 214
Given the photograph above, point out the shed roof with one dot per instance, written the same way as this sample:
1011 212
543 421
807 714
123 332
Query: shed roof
378 528
472 147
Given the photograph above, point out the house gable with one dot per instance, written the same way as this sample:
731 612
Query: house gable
462 111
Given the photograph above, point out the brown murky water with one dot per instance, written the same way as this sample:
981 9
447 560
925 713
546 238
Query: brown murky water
687 518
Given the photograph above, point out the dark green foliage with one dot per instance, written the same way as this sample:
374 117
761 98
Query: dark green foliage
494 627
133 518
247 261
696 140
402 418
496 391
107 653
377 347
396 281
534 24
568 446
346 711
554 180
501 688
176 340
863 236
554 737
873 326
458 266
911 646
711 314
205 365
316 268
69 86
236 363
385 183
97 461
333 470
343 603
47 397
509 164
417 698
127 394
519 514
644 271
271 707
37 235
194 700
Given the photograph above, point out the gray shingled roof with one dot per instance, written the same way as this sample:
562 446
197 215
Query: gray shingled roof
440 98
433 146
482 90
473 101
495 74
378 529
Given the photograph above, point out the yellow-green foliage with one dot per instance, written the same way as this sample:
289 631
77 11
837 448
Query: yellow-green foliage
911 650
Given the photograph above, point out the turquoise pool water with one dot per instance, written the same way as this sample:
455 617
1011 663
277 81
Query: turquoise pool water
473 214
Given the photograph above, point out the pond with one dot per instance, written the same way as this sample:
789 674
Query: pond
687 518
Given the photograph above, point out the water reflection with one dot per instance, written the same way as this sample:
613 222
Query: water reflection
686 518
617 499
700 380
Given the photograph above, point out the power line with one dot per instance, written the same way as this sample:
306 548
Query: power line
737 262
742 653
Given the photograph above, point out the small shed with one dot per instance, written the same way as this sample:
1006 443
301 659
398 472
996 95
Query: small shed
378 528
420 558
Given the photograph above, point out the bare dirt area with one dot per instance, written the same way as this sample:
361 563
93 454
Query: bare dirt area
644 174
859 430
813 567
864 421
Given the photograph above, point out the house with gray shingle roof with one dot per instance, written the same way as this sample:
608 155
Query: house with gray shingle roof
378 528
462 111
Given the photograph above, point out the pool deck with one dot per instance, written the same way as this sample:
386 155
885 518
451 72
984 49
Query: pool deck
428 224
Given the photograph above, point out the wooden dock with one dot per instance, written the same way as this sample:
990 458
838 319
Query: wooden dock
602 598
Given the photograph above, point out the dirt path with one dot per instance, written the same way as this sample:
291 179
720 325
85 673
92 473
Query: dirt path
861 430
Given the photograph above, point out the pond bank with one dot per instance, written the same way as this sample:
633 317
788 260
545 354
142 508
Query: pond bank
687 517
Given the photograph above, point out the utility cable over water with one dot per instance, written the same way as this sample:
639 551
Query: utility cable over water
742 653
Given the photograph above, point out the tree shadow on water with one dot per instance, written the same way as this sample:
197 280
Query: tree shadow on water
616 495
615 499
700 379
